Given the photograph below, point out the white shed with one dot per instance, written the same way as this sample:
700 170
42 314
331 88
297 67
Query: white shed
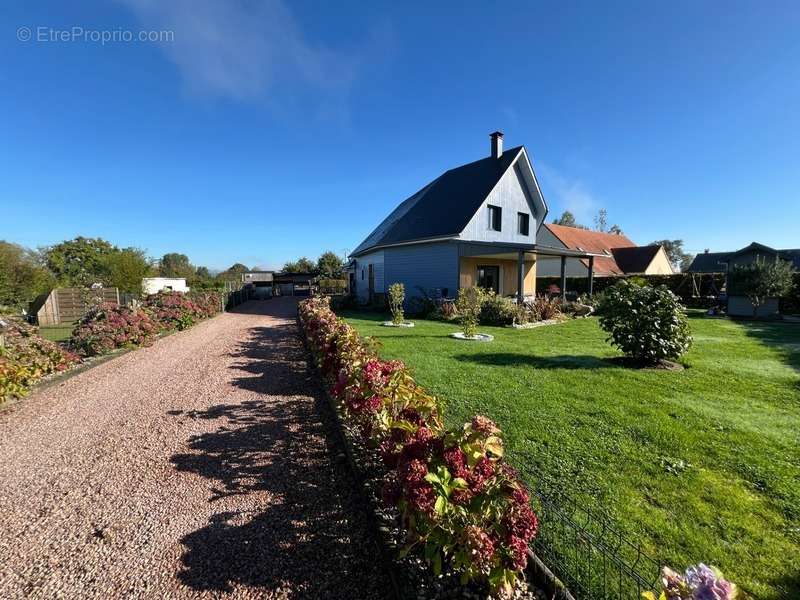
153 285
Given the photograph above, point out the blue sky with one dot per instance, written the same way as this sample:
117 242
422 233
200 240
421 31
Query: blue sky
268 130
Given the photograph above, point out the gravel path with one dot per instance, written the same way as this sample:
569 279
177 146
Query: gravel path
199 467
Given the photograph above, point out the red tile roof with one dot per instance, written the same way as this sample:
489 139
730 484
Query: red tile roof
593 241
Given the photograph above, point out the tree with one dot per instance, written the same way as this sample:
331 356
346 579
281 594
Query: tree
233 273
79 262
762 280
567 219
301 265
202 273
330 265
601 220
176 265
674 248
126 268
22 276
615 229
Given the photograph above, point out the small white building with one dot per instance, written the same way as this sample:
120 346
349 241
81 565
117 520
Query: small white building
153 285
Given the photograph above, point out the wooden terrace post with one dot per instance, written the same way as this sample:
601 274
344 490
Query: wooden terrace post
563 277
520 277
591 275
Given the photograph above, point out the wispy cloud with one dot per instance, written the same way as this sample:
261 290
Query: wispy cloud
567 193
249 51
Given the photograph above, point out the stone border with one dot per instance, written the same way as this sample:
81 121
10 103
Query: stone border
535 324
478 337
408 324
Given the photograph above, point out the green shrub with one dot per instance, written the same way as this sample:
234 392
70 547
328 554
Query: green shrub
468 305
497 310
397 295
648 324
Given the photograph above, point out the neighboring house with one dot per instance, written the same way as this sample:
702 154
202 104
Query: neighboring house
153 285
476 224
616 254
725 262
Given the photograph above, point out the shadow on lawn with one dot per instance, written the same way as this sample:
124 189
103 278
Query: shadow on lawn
782 337
566 361
285 520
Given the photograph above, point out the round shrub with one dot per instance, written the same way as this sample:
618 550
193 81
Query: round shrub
109 327
648 324
497 310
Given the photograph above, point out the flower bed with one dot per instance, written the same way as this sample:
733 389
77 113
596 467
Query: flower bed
26 357
109 326
462 507
176 310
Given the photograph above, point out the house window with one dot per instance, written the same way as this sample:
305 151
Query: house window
523 223
495 217
489 278
362 273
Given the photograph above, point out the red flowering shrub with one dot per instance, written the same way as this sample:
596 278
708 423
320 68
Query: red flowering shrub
459 502
26 357
108 327
176 310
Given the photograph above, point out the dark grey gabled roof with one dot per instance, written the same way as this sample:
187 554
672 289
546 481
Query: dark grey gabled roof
444 207
635 259
709 262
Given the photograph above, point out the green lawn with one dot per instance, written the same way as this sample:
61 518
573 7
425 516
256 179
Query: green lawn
56 333
609 434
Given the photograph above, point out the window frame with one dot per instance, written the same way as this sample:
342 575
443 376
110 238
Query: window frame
523 217
498 210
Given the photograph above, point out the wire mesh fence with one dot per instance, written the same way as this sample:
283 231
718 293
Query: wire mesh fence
584 549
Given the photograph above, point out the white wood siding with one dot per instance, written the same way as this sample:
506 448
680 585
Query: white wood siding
511 194
376 259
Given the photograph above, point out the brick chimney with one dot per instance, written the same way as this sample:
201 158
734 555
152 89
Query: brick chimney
497 144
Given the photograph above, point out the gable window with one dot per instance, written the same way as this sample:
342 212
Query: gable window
523 223
495 217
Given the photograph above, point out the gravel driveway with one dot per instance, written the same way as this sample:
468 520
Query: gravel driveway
199 467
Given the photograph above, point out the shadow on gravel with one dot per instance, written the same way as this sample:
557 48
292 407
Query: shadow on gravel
298 534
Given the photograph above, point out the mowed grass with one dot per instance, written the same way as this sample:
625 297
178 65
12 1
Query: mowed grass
610 435
56 333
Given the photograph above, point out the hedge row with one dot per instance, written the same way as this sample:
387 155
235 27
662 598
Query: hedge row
679 284
26 357
108 327
462 506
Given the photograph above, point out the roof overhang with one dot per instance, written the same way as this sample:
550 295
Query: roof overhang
538 249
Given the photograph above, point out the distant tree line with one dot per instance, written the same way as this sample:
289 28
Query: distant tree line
83 261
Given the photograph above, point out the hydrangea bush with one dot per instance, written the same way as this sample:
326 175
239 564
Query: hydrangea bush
176 310
648 324
697 583
109 326
461 505
26 357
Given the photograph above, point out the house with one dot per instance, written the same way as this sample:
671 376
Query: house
476 224
293 284
617 254
153 285
725 262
